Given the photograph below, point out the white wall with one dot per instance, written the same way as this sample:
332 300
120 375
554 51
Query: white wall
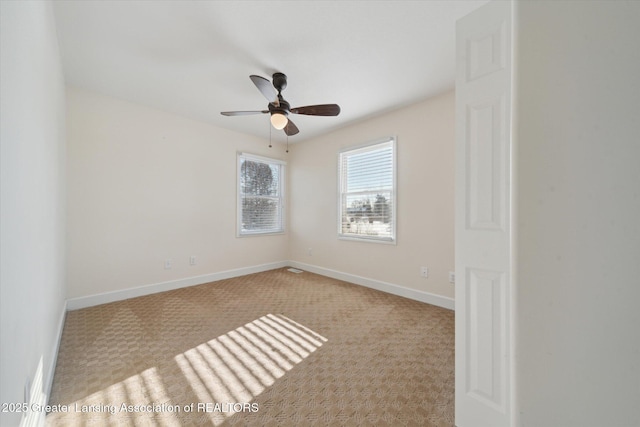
32 141
425 208
578 209
146 186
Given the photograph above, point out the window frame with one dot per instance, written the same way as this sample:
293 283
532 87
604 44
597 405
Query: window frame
281 194
392 240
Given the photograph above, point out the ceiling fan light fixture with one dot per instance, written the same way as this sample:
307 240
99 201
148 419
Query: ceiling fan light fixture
279 120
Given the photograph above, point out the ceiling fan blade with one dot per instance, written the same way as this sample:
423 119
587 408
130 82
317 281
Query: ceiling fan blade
318 110
242 113
291 129
266 88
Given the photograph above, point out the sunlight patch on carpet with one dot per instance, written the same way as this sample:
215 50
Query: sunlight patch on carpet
236 367
141 398
225 373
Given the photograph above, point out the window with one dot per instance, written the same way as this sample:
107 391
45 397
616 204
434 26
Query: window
368 192
260 195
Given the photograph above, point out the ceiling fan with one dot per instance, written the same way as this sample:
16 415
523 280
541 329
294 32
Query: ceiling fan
279 108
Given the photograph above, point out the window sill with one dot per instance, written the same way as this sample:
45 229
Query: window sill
261 233
388 241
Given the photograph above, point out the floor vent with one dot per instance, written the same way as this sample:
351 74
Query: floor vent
294 270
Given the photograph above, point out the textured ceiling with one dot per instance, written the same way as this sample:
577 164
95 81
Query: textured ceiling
194 58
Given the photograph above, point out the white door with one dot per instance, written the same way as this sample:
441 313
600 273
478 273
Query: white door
483 215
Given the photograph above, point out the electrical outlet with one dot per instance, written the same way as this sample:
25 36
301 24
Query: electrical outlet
310 251
167 264
452 277
424 271
192 260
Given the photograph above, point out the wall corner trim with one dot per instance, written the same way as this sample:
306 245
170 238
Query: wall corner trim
51 369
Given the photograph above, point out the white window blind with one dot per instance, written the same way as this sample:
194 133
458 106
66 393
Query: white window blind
367 179
260 195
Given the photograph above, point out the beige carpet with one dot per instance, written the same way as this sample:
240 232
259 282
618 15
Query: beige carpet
267 349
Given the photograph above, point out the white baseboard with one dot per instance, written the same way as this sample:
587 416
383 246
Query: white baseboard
390 288
107 297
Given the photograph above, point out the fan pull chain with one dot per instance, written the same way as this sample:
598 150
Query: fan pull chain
287 143
269 134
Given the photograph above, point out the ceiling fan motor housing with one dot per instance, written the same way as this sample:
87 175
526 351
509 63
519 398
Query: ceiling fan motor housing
283 108
279 81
